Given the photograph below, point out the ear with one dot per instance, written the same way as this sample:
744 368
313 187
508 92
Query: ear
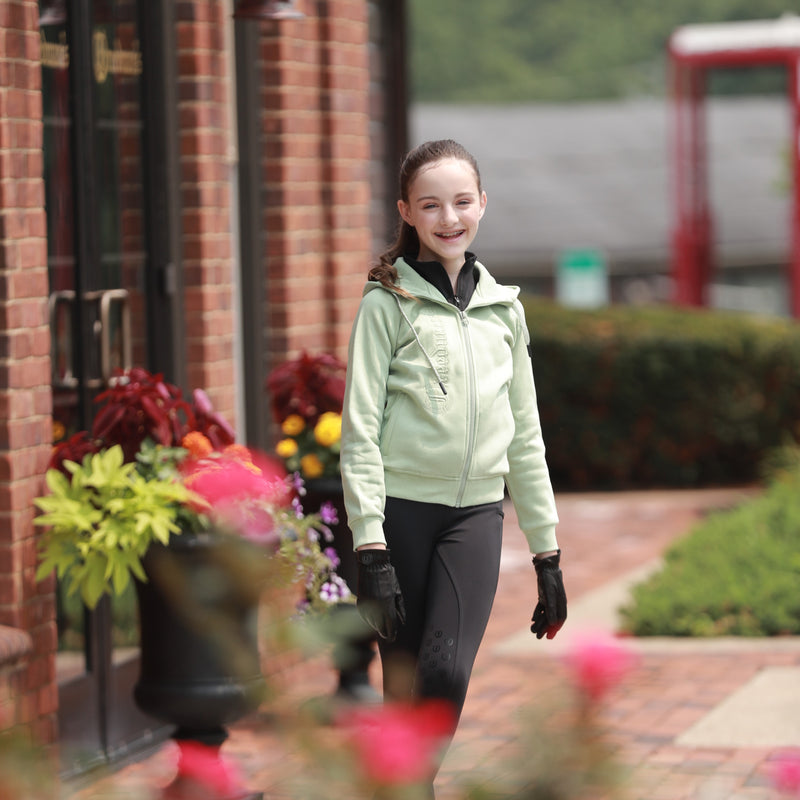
483 204
405 211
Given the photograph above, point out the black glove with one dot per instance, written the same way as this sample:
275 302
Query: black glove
379 600
551 610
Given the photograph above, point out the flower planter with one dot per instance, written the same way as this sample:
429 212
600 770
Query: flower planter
200 665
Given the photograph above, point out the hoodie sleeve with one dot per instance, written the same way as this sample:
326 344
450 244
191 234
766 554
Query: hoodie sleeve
369 357
528 479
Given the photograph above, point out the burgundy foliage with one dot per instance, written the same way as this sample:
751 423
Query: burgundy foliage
308 386
139 405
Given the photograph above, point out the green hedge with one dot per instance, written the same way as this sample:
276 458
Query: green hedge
735 574
662 396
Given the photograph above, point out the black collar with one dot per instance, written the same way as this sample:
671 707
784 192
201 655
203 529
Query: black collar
436 275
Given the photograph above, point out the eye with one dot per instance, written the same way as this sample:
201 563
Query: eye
428 206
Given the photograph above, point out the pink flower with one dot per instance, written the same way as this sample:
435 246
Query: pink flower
599 662
228 479
785 773
399 743
237 489
204 765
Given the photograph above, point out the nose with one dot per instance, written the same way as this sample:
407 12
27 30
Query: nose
449 216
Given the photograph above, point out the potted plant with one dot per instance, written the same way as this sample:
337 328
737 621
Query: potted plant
158 492
306 397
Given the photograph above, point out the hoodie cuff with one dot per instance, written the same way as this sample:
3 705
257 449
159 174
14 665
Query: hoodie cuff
542 540
368 531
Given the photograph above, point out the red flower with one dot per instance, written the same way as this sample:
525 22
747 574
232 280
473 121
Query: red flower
400 743
599 662
308 386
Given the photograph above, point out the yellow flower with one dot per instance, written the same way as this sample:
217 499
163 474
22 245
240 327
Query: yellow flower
292 425
58 430
328 429
286 448
311 466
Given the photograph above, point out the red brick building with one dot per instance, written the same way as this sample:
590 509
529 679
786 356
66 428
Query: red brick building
185 192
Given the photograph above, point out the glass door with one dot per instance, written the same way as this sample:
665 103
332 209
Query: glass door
100 271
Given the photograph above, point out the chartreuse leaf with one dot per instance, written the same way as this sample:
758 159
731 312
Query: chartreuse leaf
101 520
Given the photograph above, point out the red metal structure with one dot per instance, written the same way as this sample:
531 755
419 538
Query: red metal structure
693 49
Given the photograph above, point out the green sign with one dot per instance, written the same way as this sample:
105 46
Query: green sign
582 278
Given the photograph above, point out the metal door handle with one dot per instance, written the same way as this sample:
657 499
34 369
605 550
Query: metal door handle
103 329
62 379
122 297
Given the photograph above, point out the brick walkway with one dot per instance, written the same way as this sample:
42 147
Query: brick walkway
673 686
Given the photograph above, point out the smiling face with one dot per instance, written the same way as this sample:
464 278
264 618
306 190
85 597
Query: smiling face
445 205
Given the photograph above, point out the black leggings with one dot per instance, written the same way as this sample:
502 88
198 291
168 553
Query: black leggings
447 562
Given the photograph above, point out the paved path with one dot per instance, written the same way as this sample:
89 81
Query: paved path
693 720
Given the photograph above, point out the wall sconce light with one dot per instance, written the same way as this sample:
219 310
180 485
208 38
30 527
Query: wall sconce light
53 12
267 9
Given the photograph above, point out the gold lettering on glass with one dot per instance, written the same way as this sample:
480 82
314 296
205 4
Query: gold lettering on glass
114 61
54 55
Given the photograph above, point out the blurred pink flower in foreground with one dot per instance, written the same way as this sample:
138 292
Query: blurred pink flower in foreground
785 772
203 765
598 662
399 743
239 487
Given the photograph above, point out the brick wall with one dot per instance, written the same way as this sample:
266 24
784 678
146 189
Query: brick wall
316 174
25 399
205 173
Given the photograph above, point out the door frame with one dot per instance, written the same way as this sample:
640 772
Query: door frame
102 697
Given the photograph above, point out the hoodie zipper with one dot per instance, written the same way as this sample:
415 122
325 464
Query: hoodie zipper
471 406
472 425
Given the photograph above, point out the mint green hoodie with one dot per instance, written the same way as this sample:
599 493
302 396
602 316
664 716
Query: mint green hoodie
440 407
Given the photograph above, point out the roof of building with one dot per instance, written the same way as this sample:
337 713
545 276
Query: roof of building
742 37
596 175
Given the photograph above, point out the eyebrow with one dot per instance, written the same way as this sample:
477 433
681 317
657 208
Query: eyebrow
435 197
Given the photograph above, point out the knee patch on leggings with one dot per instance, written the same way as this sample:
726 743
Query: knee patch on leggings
437 667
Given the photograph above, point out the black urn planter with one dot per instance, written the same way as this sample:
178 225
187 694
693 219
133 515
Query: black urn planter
355 651
200 666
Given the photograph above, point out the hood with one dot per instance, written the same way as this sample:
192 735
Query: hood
487 292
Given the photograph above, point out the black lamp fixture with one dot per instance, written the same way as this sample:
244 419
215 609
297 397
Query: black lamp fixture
52 12
267 9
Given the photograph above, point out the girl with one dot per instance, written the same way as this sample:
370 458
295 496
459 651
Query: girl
439 415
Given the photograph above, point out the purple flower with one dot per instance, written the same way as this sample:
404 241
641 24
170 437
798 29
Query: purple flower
334 590
332 556
328 513
326 532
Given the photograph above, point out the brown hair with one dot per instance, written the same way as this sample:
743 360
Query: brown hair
406 240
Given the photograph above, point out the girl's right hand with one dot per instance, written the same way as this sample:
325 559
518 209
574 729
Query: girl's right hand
378 598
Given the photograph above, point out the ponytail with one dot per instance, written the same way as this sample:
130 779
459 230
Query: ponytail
385 272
